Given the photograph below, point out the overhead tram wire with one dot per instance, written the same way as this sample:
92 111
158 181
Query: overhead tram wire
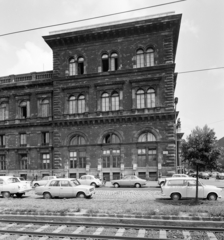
92 18
200 70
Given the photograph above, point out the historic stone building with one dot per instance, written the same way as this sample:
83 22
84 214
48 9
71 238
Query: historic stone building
106 109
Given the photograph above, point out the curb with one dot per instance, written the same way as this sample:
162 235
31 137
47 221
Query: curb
104 215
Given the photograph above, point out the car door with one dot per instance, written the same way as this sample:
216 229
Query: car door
125 181
54 188
191 189
66 189
82 180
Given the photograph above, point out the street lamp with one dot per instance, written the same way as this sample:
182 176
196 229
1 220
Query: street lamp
175 131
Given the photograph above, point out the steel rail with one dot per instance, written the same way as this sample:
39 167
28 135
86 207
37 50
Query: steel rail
137 226
91 236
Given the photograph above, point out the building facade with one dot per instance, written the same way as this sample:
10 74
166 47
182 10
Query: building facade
106 109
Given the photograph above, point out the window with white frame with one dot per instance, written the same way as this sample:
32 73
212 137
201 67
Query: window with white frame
45 161
23 163
2 162
72 104
113 62
72 67
77 140
146 137
45 138
105 102
23 139
111 138
150 57
81 104
77 159
45 108
141 158
3 111
115 101
150 98
140 98
77 104
110 102
140 58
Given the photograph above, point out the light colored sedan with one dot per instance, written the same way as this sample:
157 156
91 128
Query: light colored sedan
10 185
177 188
90 180
129 181
65 188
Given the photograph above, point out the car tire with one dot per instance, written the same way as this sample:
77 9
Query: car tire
212 197
93 184
116 185
6 194
137 185
81 195
47 195
19 195
175 196
36 185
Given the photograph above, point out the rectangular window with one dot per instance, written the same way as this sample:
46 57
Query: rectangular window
73 159
152 157
116 158
2 162
46 161
2 140
23 139
45 138
23 161
141 158
82 159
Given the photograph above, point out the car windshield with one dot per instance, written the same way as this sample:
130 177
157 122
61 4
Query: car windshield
12 180
75 182
21 179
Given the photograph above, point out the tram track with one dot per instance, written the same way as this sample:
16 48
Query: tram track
27 229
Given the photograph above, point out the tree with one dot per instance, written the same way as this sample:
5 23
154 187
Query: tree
201 145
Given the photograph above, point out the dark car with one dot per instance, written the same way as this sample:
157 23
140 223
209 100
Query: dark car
192 174
220 176
203 175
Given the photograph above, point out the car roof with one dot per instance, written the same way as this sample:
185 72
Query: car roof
62 179
6 177
180 178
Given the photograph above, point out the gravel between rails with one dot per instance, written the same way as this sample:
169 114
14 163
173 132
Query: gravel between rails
175 234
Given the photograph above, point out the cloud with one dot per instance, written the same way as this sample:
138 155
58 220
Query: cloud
4 45
188 26
31 59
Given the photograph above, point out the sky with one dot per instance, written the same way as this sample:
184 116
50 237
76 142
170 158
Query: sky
200 46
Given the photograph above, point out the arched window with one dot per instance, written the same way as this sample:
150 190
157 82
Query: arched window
150 98
105 102
45 108
150 57
115 101
3 111
111 138
140 99
72 104
146 137
81 104
140 58
114 62
105 62
72 67
80 65
77 140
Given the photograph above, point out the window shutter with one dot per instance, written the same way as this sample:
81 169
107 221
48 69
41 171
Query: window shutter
28 108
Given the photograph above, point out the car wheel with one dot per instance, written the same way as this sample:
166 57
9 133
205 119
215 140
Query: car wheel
212 197
19 195
175 196
93 184
47 195
6 194
36 185
81 195
116 185
137 185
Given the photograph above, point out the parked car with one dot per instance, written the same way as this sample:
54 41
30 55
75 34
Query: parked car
220 176
23 180
162 180
90 180
192 174
43 181
214 174
177 188
129 181
10 185
65 188
203 175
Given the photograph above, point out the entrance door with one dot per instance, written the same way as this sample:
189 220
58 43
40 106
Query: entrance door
116 175
106 176
72 175
142 175
23 176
